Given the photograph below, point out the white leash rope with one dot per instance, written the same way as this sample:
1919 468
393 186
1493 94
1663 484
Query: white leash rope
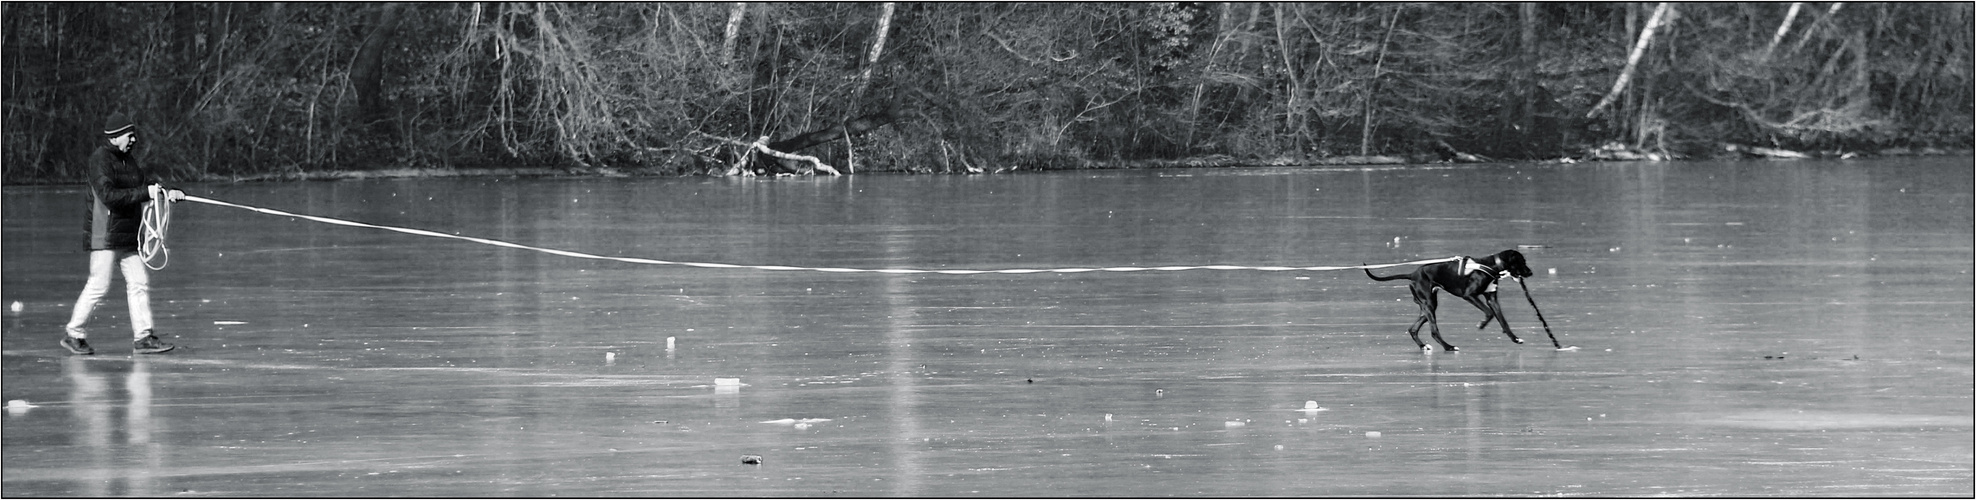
566 253
151 237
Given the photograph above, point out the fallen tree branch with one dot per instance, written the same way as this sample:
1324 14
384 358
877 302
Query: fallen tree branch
816 165
857 125
1765 152
1448 153
761 145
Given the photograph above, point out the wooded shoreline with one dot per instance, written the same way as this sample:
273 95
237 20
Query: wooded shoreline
1205 162
229 91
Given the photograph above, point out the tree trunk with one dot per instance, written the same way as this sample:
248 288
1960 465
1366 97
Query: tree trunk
1526 74
854 126
1806 37
1292 117
734 16
1633 62
877 47
1207 68
1372 88
1781 30
367 69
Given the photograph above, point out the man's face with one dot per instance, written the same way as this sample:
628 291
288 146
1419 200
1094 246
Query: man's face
124 142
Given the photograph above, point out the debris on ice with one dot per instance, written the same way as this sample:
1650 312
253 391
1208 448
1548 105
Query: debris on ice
787 421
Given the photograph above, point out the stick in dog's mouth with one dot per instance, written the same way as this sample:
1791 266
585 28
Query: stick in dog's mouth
1540 316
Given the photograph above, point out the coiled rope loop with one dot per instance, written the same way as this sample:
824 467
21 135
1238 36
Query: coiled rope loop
632 260
152 227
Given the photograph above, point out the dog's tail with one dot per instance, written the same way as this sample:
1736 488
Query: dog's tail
1368 274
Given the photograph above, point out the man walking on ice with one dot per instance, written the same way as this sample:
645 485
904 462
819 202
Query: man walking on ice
118 189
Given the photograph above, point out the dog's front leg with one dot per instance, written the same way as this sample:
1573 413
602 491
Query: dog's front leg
1494 309
1481 302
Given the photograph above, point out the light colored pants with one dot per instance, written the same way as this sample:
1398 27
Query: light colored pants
137 290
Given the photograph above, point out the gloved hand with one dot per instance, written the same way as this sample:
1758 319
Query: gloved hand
162 193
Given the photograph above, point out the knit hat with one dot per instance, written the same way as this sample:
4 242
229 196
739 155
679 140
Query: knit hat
118 124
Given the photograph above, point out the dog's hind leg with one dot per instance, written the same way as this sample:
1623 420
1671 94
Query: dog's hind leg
1428 303
1414 330
1434 327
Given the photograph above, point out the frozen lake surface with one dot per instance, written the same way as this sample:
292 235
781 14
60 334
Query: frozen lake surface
1744 329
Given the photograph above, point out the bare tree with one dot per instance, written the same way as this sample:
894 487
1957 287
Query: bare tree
1661 13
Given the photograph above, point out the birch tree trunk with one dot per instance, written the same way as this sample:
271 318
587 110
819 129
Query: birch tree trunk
1806 37
1633 62
1781 30
877 47
734 16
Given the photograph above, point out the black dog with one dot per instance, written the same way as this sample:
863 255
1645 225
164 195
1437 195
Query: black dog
1472 279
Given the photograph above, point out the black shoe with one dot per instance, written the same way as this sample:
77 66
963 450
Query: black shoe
76 345
149 345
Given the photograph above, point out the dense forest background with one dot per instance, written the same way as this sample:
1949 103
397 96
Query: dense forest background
258 90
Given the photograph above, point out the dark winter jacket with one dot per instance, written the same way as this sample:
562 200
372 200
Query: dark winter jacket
116 199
